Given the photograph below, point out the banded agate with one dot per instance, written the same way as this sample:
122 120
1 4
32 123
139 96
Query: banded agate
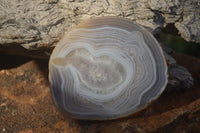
106 68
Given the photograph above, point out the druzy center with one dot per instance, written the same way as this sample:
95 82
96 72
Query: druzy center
100 74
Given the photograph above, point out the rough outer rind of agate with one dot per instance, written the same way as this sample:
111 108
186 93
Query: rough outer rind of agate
106 68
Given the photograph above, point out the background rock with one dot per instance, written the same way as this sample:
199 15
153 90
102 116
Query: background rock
26 106
38 25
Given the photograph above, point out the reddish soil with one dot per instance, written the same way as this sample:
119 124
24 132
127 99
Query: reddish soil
26 106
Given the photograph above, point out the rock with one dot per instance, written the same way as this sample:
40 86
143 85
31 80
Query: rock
39 25
179 76
33 25
26 105
189 26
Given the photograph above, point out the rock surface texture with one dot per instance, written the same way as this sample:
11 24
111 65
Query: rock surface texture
38 25
26 106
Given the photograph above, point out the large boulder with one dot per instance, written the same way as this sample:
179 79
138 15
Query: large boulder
39 25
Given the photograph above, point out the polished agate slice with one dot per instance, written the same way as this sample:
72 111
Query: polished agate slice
106 68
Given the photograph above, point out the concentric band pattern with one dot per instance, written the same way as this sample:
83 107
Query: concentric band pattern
106 68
